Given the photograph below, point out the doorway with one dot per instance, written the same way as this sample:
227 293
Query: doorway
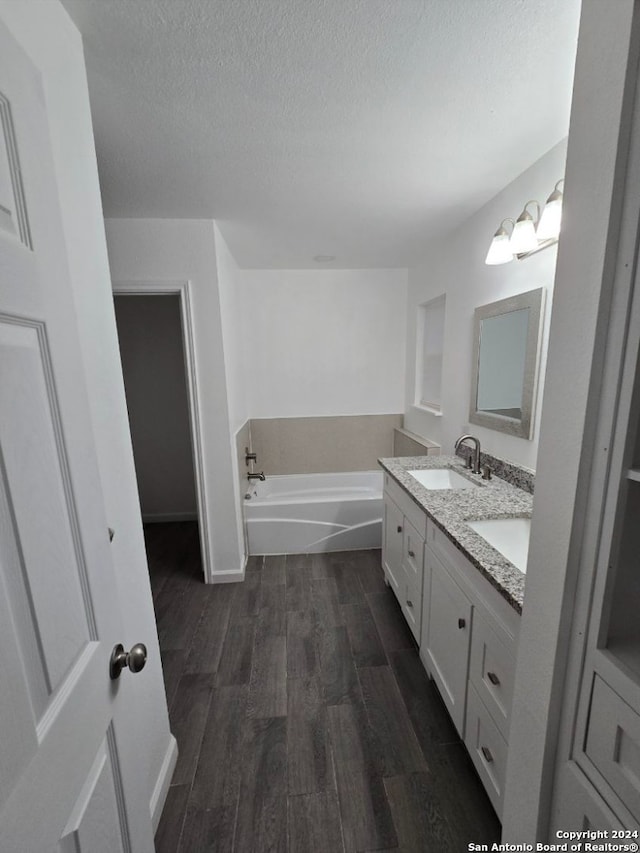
156 365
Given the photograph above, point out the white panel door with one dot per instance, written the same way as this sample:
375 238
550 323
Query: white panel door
61 787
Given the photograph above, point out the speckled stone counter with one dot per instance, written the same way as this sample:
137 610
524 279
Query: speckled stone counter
450 509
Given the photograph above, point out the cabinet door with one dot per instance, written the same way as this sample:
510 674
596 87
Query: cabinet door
392 551
449 638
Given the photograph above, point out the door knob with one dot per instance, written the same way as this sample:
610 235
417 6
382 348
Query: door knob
135 659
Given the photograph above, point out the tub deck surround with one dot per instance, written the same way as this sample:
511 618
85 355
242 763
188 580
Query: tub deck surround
450 509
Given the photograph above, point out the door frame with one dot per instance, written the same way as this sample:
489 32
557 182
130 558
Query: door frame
183 290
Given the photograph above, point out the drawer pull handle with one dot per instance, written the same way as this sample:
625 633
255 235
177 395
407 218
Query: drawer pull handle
493 678
412 553
409 603
462 623
487 754
399 528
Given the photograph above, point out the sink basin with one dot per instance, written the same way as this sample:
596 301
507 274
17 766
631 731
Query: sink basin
441 478
509 536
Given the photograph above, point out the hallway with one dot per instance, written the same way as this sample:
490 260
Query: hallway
304 718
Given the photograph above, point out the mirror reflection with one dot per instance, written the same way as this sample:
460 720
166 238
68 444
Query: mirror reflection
505 363
503 349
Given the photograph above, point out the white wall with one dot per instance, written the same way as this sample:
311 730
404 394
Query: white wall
325 342
46 33
568 447
237 328
155 250
151 351
455 266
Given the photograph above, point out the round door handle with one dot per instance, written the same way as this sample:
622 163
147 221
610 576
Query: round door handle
462 623
134 659
493 678
409 603
399 528
412 553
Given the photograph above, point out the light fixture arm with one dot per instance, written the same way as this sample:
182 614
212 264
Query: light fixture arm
526 215
502 229
557 192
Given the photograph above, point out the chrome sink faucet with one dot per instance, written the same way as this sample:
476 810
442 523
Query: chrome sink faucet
475 467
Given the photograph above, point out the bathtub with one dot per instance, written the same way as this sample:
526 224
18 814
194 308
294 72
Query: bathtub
310 513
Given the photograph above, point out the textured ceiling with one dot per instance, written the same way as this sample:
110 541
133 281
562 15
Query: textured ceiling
355 128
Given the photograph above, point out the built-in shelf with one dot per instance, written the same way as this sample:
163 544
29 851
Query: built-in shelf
634 474
624 653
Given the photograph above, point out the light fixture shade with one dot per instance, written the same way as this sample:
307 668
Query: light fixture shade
549 225
500 251
523 236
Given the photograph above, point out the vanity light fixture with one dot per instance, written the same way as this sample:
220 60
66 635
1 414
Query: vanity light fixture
523 236
529 234
549 225
500 251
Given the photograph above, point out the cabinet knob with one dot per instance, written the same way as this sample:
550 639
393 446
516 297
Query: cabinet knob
493 678
399 528
487 754
409 603
412 553
462 623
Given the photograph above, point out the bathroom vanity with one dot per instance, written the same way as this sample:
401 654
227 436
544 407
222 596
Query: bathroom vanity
450 540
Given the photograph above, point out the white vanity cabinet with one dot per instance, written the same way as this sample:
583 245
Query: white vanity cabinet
469 645
466 630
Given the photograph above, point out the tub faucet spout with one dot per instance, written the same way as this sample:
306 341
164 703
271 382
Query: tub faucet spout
256 476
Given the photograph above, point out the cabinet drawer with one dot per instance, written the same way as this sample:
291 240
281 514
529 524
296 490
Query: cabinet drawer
405 502
492 668
613 743
412 609
578 805
412 566
413 558
487 748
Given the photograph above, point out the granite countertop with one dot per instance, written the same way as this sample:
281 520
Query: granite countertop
449 509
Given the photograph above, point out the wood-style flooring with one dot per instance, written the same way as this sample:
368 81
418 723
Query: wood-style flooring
304 718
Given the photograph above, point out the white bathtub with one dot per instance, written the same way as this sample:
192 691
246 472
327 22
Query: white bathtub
309 513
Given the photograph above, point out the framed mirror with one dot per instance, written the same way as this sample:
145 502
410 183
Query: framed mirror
506 345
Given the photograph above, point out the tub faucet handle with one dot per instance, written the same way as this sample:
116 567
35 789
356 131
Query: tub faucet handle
249 457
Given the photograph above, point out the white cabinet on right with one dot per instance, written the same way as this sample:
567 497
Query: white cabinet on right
468 646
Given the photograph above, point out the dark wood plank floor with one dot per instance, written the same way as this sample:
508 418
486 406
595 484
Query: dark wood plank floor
304 718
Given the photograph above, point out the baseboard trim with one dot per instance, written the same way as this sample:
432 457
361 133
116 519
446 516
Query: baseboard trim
159 517
163 782
228 577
